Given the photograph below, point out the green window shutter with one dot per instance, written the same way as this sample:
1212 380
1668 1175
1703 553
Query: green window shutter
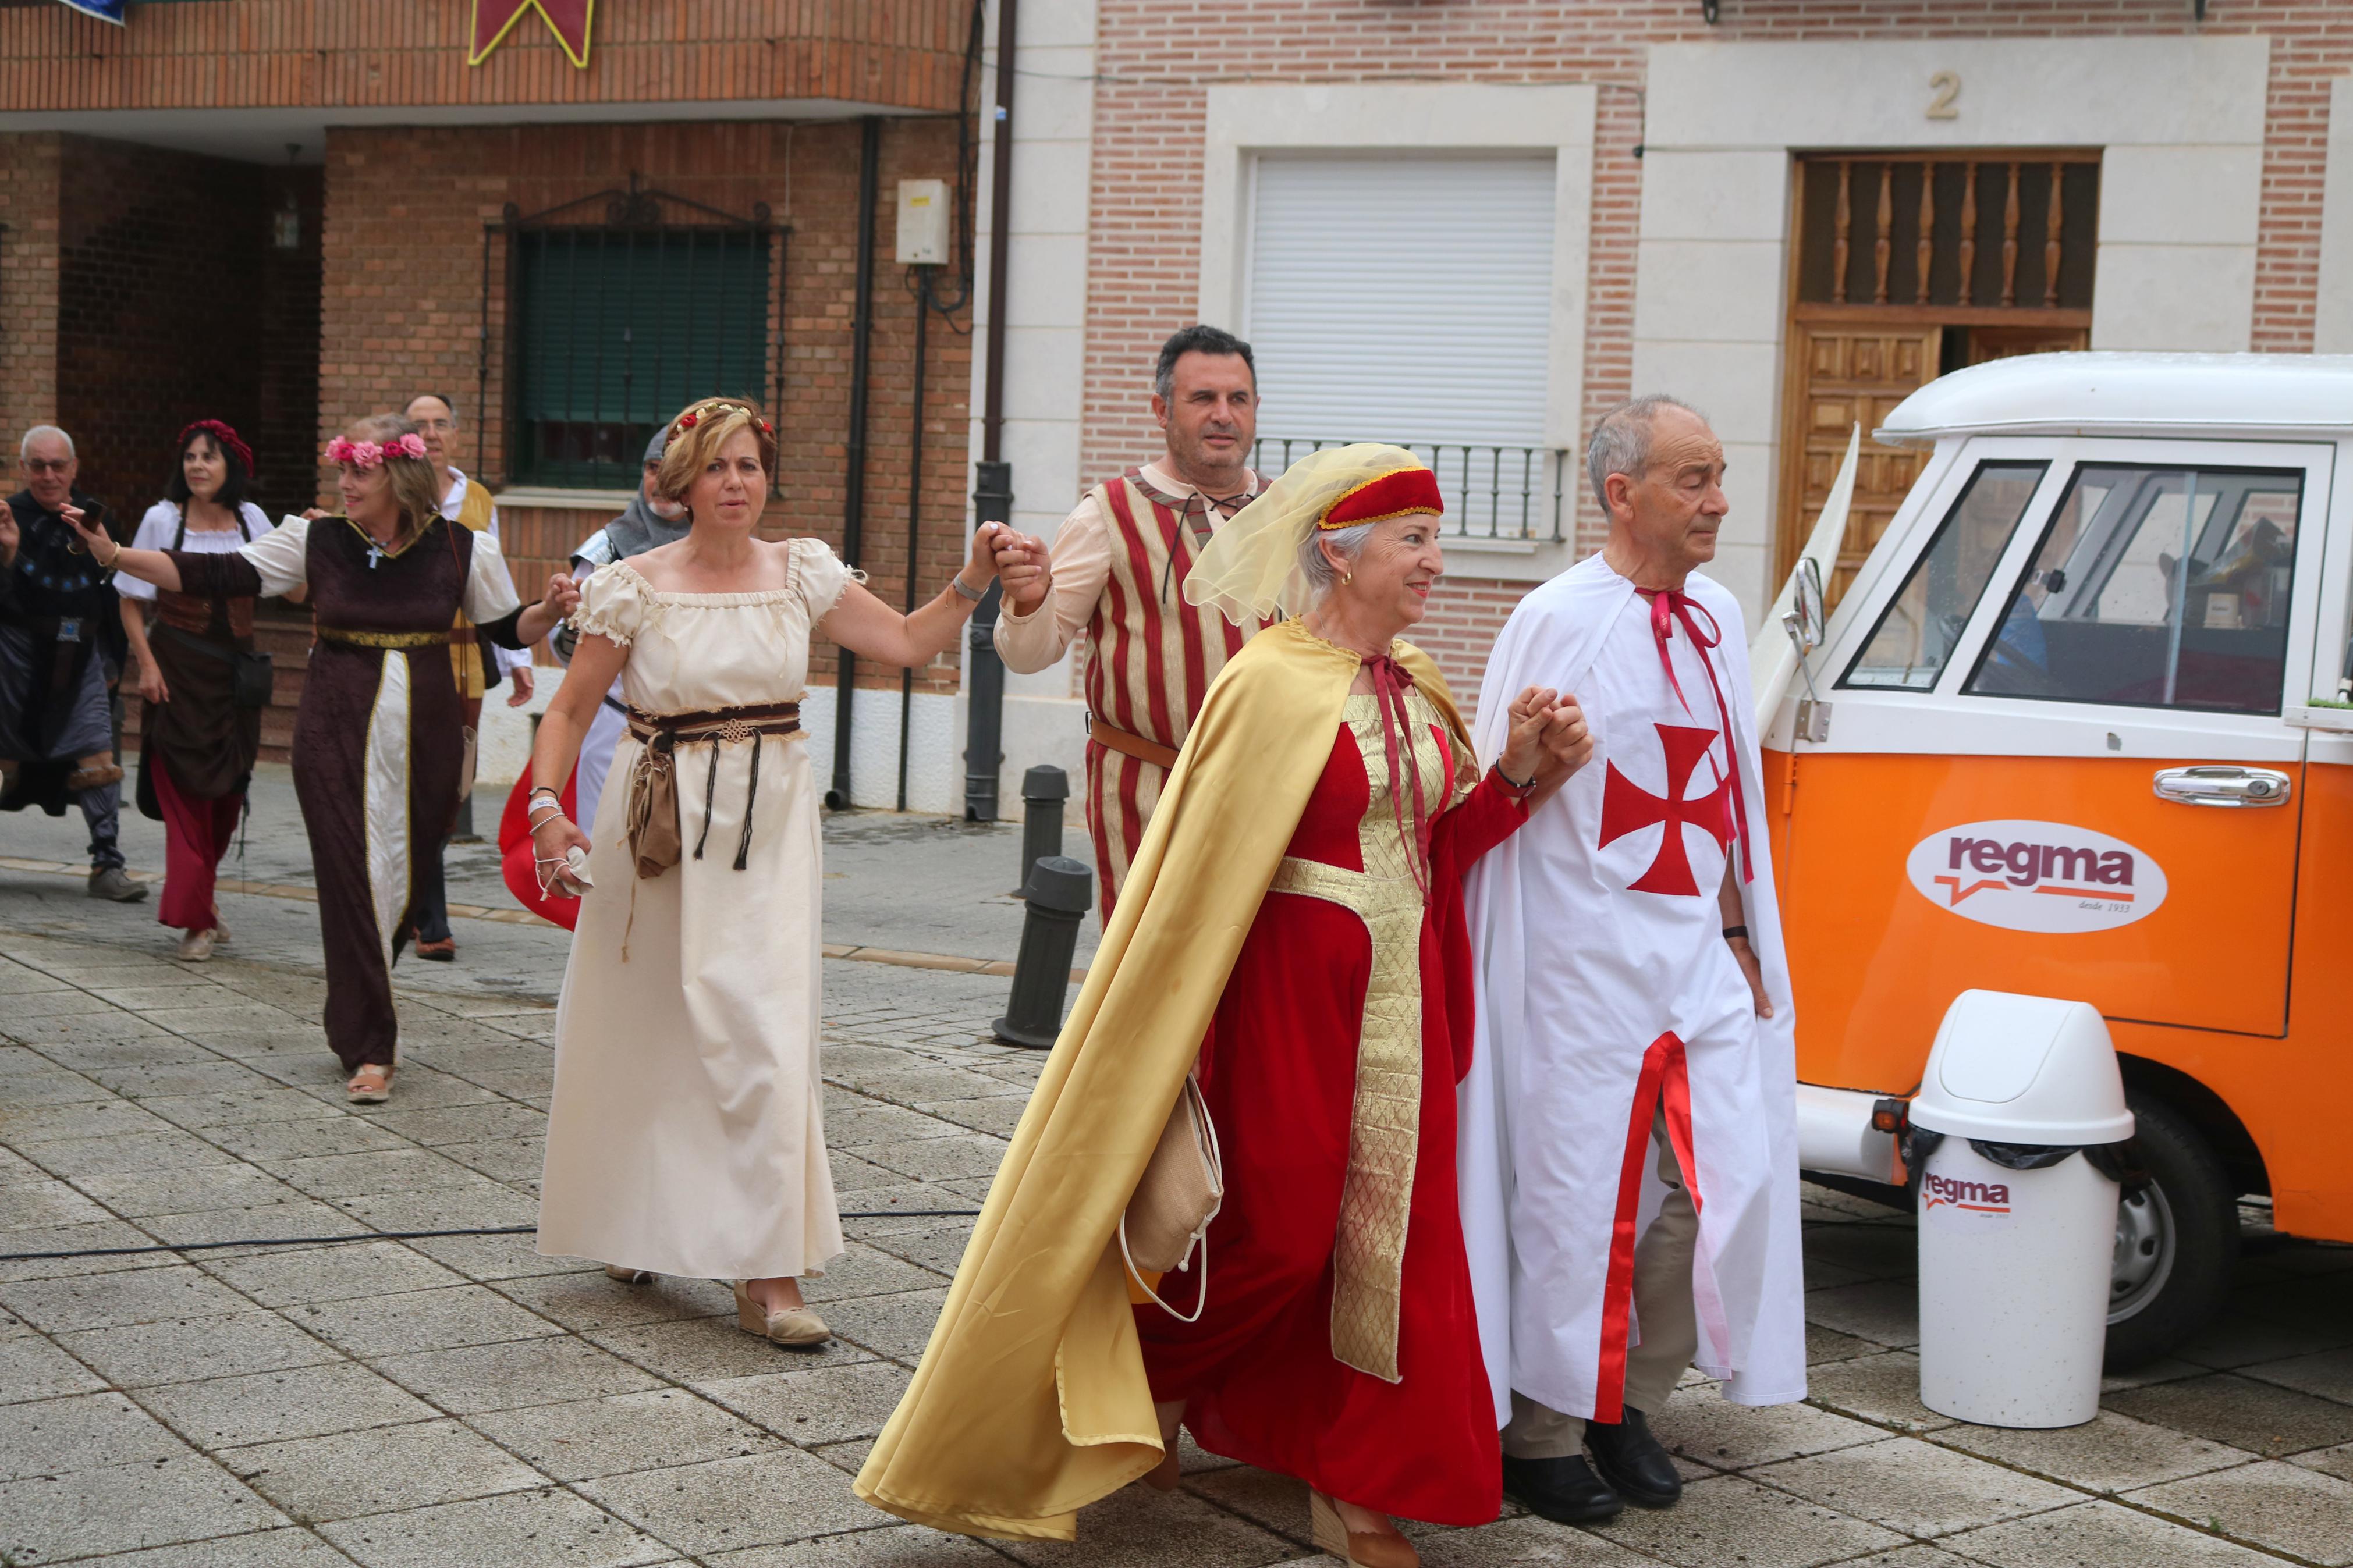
621 328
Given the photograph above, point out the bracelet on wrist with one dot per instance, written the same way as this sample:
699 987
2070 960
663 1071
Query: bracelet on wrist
1509 782
974 594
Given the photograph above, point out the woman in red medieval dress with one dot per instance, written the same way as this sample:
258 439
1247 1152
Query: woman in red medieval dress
1338 1343
1294 932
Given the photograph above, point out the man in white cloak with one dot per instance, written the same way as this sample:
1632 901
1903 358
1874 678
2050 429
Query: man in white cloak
1628 1143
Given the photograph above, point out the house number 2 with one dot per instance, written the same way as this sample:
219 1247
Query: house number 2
1946 103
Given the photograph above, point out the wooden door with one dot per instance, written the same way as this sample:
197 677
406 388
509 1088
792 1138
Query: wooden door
1906 264
2008 342
1842 376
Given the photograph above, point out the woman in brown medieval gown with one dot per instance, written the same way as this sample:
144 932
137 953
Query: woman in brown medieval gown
378 741
198 740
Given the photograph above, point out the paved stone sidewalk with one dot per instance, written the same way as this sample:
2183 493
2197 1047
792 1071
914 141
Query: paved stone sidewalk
462 1401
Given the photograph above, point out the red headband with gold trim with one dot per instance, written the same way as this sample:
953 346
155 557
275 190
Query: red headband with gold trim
1398 493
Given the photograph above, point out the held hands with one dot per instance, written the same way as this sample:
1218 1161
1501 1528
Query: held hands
1026 568
1548 740
980 561
563 597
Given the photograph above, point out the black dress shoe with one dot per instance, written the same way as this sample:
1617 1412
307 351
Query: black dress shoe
1630 1459
1563 1490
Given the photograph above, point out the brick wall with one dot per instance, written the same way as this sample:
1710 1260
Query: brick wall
139 290
233 53
28 287
284 435
404 304
158 317
1155 64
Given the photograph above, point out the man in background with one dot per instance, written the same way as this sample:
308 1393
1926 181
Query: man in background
476 667
1117 572
60 651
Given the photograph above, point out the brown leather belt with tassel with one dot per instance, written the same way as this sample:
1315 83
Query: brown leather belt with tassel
655 842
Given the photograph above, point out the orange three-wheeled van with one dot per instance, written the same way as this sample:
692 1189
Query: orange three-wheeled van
2078 728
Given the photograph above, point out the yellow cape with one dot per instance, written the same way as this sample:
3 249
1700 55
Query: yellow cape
1031 1401
465 654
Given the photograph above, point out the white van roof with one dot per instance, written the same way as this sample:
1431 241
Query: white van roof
2129 393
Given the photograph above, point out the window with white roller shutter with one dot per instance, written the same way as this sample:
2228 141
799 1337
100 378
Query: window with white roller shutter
1410 300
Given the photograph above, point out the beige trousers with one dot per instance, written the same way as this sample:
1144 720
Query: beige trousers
1662 1311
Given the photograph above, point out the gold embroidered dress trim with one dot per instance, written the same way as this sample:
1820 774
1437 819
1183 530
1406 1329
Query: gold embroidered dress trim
384 639
1385 1121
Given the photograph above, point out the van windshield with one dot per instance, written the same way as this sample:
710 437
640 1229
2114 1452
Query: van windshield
1916 634
2154 587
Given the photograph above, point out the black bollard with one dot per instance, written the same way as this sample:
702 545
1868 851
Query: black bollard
1043 791
1060 890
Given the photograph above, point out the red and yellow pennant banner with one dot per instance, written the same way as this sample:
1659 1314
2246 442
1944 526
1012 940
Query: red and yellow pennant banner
567 19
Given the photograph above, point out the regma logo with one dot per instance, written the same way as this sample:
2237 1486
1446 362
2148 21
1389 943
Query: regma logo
2054 878
1977 1197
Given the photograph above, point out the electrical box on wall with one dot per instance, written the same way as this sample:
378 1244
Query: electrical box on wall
923 222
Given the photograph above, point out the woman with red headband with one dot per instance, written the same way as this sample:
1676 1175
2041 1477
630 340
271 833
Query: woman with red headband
200 728
1291 939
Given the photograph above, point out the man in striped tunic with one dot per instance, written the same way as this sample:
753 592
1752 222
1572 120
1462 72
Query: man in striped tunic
1117 572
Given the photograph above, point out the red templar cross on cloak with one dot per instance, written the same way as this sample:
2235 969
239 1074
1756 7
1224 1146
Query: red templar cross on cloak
1627 807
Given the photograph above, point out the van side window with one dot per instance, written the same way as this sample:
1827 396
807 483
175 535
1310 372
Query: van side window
1917 631
2155 588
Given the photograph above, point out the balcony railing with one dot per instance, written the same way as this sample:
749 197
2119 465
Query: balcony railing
1491 491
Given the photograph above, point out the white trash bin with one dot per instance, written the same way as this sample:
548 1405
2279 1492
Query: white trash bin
2015 1263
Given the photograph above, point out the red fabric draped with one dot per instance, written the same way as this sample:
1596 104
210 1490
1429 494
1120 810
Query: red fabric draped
518 860
1279 1071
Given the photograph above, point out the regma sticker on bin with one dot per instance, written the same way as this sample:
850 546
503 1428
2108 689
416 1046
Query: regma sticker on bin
2046 877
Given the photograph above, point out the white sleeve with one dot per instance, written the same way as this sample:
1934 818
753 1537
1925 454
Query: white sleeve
155 531
283 555
489 592
510 658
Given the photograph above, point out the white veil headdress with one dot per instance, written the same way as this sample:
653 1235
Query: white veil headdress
1250 570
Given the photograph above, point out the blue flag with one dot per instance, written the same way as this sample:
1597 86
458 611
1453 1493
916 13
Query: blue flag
104 10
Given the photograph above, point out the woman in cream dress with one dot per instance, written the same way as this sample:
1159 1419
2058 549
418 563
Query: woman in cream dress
686 1135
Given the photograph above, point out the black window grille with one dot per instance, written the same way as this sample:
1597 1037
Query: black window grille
612 328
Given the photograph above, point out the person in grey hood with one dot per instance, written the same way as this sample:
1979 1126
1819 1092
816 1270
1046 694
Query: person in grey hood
647 523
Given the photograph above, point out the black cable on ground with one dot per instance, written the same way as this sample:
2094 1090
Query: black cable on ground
402 1235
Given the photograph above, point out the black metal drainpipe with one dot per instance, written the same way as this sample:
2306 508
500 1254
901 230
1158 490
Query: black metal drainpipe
853 503
992 492
914 520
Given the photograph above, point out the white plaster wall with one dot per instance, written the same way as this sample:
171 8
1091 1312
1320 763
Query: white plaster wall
2179 122
502 743
2332 327
1045 343
1246 120
934 750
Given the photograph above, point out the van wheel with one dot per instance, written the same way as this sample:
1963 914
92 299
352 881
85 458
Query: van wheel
2176 1238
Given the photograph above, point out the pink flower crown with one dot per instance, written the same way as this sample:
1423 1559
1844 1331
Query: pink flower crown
371 454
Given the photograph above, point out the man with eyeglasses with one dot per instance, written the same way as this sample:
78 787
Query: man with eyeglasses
60 646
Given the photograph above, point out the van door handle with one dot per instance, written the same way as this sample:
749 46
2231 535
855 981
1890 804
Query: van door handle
2213 785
